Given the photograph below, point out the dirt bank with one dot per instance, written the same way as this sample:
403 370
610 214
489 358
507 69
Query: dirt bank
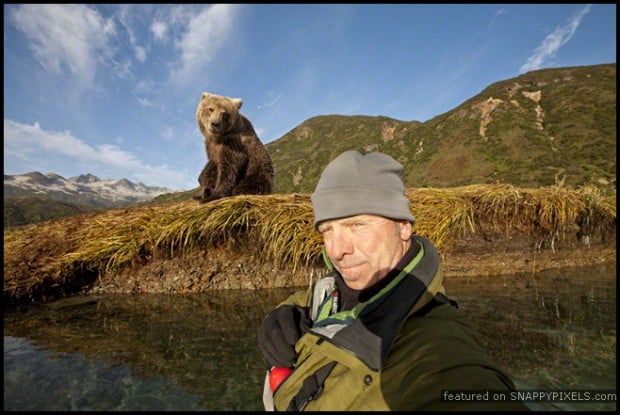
234 268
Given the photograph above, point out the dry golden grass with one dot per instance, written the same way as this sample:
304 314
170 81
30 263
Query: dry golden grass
280 228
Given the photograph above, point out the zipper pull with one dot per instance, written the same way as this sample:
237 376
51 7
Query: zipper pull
335 302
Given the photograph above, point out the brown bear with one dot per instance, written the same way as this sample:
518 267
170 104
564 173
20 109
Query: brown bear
238 162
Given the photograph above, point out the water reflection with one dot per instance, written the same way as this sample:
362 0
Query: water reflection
553 330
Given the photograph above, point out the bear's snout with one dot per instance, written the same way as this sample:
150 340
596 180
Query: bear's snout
217 127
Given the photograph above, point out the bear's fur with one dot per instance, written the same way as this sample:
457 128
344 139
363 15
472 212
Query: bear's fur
238 162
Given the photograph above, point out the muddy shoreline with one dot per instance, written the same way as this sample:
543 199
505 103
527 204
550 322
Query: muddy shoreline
235 268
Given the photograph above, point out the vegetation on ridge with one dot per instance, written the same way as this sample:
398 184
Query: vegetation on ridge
529 131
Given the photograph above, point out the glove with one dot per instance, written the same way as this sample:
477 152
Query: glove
279 332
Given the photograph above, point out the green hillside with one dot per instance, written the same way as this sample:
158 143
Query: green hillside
538 129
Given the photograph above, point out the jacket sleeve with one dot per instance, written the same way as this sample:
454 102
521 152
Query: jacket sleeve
437 356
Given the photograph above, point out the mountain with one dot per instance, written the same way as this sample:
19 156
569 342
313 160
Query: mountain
86 189
545 127
23 210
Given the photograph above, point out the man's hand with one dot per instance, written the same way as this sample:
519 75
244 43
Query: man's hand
279 332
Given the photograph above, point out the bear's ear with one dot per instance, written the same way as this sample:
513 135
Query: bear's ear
237 102
205 95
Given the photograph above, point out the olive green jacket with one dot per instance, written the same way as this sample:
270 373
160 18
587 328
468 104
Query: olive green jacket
397 351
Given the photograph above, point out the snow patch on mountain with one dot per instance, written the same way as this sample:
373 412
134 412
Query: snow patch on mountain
85 187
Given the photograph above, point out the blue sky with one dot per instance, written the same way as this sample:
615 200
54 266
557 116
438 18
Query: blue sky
112 89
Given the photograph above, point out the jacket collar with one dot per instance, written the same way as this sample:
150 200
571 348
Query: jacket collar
369 329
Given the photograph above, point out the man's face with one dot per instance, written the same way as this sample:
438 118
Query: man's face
364 248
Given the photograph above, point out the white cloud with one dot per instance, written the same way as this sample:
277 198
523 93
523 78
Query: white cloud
140 53
25 138
174 180
66 37
272 100
145 102
168 133
159 30
207 33
553 42
123 70
143 86
31 142
126 11
496 16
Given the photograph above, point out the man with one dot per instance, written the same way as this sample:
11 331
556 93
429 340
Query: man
377 332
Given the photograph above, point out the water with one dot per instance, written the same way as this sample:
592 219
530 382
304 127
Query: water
552 330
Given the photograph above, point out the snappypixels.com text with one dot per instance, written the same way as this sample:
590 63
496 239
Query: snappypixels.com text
529 395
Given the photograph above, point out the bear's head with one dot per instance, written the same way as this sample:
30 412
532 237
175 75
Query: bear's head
217 114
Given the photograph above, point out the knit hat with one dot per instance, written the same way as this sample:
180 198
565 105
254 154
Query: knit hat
355 184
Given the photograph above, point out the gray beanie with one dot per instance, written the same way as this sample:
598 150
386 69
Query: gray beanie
355 184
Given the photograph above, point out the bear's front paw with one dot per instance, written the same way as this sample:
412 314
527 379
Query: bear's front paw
207 197
204 195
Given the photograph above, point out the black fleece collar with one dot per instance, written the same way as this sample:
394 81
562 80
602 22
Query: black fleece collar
350 297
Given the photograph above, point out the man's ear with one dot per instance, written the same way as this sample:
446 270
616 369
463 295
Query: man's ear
406 230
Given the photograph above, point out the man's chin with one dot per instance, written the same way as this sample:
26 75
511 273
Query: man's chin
351 278
349 273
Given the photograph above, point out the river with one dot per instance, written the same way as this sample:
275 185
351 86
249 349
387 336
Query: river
554 330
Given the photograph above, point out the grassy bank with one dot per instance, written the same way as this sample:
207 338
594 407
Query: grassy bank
64 256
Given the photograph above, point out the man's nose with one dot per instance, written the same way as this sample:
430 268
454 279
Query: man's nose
340 244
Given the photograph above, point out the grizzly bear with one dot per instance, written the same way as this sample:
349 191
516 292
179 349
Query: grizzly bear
238 162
